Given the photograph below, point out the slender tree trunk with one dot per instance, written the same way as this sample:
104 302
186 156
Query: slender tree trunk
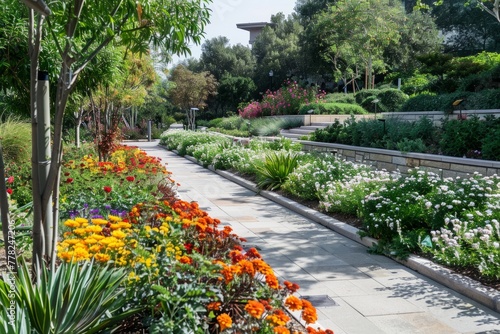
35 37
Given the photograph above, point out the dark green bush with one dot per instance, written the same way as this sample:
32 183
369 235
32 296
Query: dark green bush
332 108
461 136
390 99
340 98
431 102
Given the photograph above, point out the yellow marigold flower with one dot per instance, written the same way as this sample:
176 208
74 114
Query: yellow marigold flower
102 257
124 225
224 321
255 308
164 229
147 228
148 262
114 226
99 221
72 241
114 218
116 244
108 240
155 229
98 236
118 234
90 241
81 220
95 248
71 223
93 229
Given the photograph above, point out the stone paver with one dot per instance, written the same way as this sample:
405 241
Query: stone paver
370 293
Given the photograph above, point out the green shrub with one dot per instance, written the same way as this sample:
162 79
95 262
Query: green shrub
15 140
389 99
430 102
340 98
461 136
275 170
332 108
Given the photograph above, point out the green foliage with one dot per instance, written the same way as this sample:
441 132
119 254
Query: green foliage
15 140
389 99
340 98
332 108
72 299
460 137
276 169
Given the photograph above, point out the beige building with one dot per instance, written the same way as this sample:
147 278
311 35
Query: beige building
254 28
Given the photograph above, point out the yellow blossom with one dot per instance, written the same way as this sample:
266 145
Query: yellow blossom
81 220
71 223
99 221
118 234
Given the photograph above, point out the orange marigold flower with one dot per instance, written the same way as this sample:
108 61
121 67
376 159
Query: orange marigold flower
224 321
293 303
214 306
255 308
281 330
272 281
252 253
247 267
278 318
185 259
309 314
292 287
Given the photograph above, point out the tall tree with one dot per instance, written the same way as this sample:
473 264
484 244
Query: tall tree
191 90
80 31
219 58
277 49
353 35
492 7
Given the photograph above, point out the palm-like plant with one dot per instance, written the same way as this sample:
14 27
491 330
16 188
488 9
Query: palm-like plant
74 298
275 170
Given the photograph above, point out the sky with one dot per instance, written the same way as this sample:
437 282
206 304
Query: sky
227 13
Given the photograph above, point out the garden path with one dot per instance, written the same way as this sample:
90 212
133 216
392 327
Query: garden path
354 292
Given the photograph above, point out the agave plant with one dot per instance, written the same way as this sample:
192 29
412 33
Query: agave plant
74 298
275 170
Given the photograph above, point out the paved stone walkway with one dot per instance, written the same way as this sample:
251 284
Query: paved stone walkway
353 291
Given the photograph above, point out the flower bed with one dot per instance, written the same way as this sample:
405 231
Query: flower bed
186 272
452 220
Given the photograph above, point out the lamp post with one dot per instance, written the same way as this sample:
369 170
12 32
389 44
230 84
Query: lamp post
271 75
44 229
310 112
375 103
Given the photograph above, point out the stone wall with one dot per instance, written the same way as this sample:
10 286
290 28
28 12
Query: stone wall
395 160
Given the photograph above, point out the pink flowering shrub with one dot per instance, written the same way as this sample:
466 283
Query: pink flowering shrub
288 99
253 110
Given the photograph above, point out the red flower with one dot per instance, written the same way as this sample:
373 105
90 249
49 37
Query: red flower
107 189
10 179
130 178
9 191
69 180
